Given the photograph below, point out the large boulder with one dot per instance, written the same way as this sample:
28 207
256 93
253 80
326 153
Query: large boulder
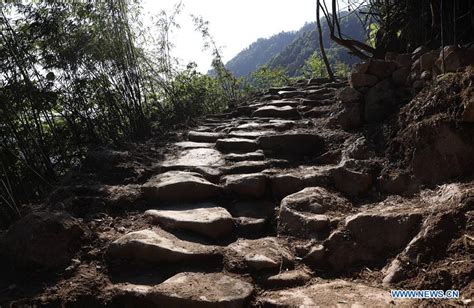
42 241
358 80
348 95
304 214
370 237
176 186
380 101
427 60
292 144
381 69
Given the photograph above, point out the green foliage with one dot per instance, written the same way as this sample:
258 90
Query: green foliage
373 29
314 67
265 77
76 74
341 69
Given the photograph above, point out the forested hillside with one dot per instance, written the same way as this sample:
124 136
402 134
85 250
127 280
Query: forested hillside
290 50
263 50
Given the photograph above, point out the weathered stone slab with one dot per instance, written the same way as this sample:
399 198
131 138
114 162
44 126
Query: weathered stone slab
178 186
204 218
147 246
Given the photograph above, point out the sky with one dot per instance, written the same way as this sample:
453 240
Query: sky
234 24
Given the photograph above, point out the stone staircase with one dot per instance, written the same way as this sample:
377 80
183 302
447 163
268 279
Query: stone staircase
244 208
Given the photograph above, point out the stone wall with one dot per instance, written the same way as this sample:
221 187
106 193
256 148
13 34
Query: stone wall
379 87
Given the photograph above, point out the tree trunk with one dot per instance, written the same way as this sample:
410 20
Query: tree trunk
321 45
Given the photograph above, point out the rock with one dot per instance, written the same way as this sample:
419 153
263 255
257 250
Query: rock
418 84
176 186
247 185
380 101
315 256
193 145
404 60
195 157
122 195
206 219
400 76
251 134
274 91
147 246
258 155
370 237
381 69
200 290
286 184
359 149
247 167
419 51
350 182
335 293
318 81
261 254
360 68
425 75
320 96
286 112
468 104
452 59
236 145
290 278
357 80
290 94
204 136
292 144
349 117
427 60
251 216
42 240
349 95
442 150
301 214
396 183
394 273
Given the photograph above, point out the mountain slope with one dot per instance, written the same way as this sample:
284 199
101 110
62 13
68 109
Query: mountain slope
262 51
291 49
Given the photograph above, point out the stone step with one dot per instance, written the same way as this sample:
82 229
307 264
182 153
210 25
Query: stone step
176 186
336 293
246 185
204 218
307 213
154 247
204 136
193 145
267 254
236 145
292 144
250 134
195 157
285 112
255 156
